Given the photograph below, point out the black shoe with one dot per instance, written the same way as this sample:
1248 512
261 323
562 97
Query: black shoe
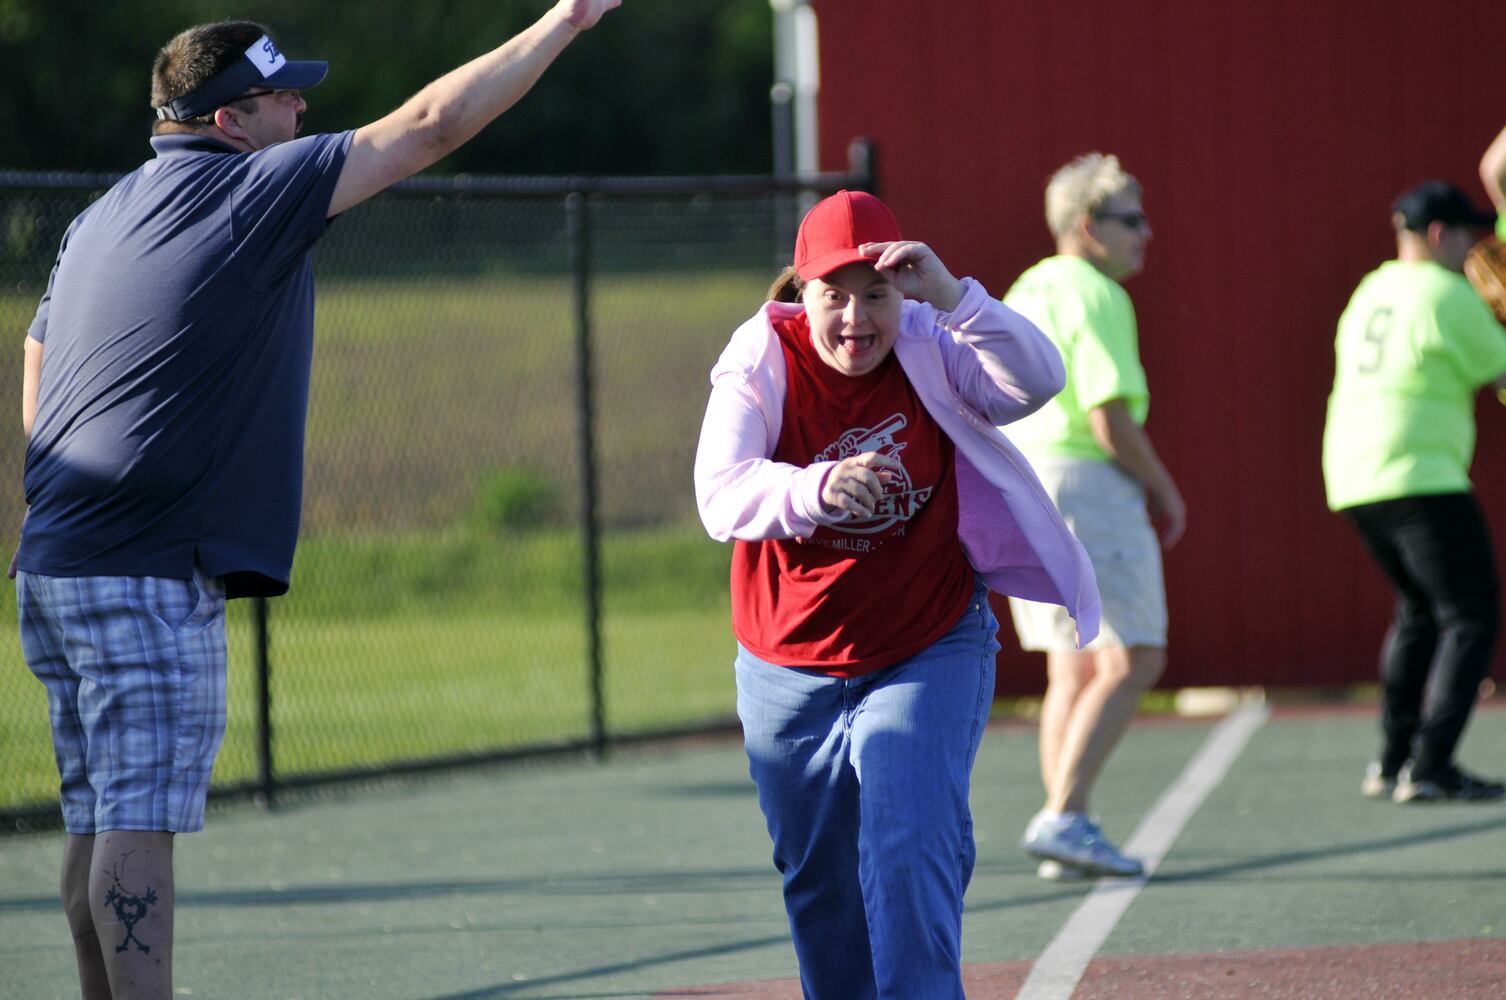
1445 784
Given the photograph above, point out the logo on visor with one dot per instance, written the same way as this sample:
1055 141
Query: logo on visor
265 57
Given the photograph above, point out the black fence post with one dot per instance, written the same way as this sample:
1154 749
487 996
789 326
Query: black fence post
862 164
266 790
578 226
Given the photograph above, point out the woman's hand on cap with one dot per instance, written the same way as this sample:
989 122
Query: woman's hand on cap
916 271
856 484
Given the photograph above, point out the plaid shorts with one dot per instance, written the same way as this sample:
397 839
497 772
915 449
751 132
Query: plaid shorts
134 668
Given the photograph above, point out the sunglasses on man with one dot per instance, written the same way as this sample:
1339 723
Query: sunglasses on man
1130 220
286 93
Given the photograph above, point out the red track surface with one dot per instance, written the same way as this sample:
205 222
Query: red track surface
1439 970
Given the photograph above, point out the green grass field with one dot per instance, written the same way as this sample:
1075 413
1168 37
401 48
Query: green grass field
424 645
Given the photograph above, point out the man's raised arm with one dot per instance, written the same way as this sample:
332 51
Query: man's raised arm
448 112
1493 171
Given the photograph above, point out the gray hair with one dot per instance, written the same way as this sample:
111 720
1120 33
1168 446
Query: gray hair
1081 187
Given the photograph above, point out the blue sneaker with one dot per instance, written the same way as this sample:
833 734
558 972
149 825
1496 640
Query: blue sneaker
1074 840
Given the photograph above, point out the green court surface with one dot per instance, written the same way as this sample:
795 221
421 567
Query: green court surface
651 872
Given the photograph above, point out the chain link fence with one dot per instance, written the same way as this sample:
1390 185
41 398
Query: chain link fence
500 554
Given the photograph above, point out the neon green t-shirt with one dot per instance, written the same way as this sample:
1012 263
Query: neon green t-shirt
1414 345
1501 227
1089 318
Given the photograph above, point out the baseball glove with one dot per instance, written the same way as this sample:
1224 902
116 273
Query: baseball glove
1485 267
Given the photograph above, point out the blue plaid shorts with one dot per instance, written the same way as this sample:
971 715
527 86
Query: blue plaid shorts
134 668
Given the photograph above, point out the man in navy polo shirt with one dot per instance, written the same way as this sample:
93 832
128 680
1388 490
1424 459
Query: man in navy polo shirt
164 398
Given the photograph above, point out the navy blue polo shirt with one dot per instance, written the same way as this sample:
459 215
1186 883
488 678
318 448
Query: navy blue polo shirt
177 332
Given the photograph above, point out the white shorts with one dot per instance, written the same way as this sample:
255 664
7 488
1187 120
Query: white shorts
1105 508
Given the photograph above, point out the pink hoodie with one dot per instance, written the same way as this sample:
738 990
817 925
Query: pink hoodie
981 365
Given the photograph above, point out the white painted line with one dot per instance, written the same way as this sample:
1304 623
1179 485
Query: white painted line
1061 965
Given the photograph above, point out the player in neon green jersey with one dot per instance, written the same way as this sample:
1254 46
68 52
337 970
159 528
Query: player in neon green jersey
1414 346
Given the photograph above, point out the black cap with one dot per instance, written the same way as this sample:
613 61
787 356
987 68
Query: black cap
1439 201
261 65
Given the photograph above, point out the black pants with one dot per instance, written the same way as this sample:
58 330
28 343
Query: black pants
1436 552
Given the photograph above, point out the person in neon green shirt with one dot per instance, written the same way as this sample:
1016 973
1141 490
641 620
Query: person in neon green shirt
1092 322
1414 346
1089 447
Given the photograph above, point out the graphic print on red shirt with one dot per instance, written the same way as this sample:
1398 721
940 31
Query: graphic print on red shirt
901 500
864 594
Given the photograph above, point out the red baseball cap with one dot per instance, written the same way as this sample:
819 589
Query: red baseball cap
831 232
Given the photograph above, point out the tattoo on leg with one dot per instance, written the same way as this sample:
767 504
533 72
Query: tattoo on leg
129 909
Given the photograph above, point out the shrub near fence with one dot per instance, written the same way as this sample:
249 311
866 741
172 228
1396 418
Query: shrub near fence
500 554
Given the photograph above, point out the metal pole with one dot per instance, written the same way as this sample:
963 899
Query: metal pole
782 116
781 107
265 781
578 226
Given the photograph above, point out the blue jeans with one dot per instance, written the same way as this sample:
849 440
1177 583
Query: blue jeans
864 784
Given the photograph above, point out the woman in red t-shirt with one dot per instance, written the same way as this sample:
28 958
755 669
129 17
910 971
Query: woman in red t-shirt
866 644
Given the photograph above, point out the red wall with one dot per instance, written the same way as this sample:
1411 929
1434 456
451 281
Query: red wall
1270 138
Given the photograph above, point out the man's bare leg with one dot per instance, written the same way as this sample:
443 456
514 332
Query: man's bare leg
131 899
1067 674
78 854
1098 719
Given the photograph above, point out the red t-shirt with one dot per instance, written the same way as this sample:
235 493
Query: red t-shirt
862 595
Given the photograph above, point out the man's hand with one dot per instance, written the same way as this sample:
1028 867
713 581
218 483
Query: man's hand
1127 444
856 484
1168 512
443 116
583 14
